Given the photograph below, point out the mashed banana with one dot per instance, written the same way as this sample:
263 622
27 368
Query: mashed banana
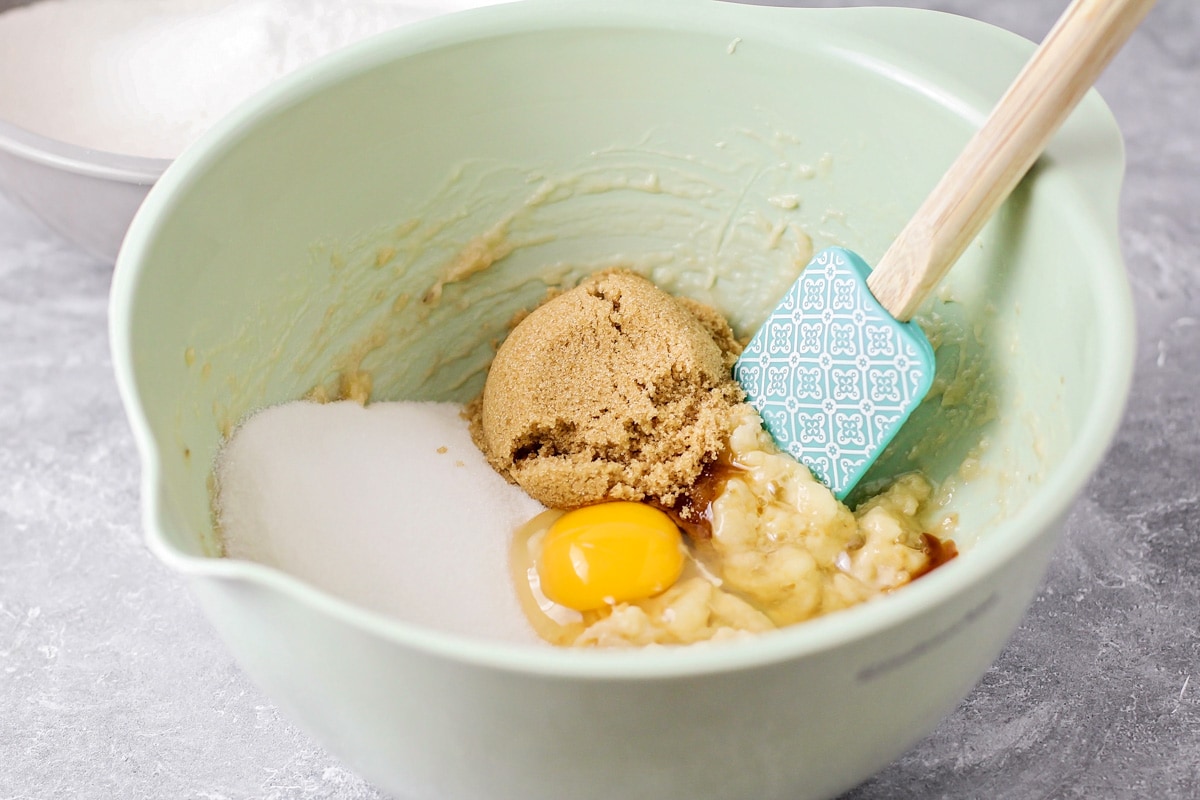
782 550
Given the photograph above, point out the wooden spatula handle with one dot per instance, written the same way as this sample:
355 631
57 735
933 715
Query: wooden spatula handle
1067 63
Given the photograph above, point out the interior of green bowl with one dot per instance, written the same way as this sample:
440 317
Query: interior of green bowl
387 213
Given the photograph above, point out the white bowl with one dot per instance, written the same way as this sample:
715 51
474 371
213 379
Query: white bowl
88 196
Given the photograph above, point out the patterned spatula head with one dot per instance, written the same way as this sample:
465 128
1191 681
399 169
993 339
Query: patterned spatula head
832 373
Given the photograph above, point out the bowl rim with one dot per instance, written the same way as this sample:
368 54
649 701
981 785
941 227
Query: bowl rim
57 154
1037 518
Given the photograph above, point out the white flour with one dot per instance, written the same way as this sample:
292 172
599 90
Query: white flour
390 506
147 77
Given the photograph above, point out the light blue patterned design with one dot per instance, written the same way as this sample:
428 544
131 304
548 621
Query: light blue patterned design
832 373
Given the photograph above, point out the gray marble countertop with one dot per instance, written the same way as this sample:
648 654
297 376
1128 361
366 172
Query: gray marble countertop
112 685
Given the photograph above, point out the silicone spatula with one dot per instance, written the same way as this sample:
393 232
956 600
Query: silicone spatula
838 366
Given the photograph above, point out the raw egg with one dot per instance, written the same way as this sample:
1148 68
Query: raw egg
609 553
570 567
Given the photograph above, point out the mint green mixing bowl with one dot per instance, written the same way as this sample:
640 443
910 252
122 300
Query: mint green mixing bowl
389 210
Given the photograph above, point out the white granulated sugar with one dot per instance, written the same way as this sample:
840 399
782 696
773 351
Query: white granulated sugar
147 77
366 504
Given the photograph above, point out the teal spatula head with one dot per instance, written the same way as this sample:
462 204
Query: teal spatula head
832 373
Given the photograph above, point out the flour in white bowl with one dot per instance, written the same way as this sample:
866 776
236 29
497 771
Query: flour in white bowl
147 77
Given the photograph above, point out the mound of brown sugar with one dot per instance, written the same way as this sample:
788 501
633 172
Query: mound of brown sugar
614 390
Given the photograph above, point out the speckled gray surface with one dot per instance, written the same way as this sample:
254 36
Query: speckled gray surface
113 686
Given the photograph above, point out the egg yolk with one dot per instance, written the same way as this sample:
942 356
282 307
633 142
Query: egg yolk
609 553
